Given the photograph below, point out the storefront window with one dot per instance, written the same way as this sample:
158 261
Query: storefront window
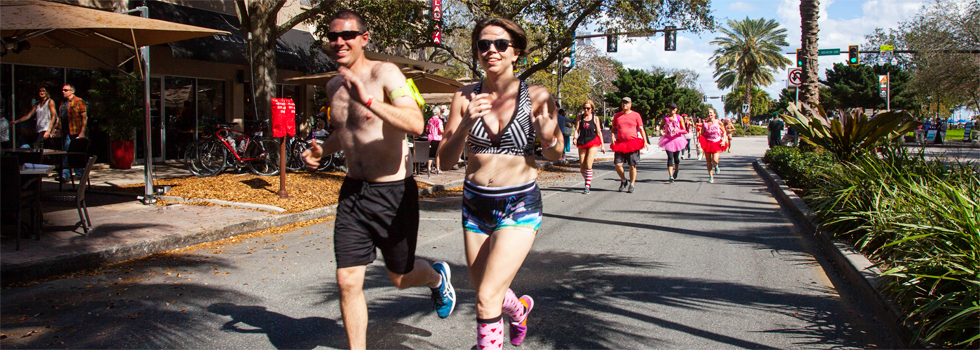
210 101
180 110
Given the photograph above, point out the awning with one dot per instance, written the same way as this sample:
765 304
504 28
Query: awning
51 24
293 48
426 82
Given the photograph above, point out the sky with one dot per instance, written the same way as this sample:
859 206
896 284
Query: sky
841 23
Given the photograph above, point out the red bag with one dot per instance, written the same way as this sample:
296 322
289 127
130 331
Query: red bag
283 117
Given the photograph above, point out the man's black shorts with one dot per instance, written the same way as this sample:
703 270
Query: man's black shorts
632 158
377 215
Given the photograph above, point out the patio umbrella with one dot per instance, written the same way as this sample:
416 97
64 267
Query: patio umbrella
51 24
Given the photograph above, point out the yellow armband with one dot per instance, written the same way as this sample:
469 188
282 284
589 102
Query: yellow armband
408 89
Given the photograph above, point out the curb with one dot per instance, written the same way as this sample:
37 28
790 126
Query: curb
14 273
856 269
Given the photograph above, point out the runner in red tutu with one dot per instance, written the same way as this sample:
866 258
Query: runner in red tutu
713 141
628 138
588 137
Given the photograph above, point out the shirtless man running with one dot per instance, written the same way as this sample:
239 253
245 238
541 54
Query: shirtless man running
372 110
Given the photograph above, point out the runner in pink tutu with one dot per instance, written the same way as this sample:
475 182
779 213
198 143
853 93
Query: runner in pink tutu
673 140
713 141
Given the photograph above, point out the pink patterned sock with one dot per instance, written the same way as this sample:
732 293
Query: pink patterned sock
490 333
513 307
588 178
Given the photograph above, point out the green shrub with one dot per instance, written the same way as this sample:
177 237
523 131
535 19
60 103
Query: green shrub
801 170
751 131
851 134
919 220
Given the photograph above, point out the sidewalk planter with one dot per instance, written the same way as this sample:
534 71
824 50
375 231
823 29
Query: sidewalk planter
122 154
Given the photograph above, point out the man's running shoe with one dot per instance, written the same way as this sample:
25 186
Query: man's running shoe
631 189
519 330
622 185
444 297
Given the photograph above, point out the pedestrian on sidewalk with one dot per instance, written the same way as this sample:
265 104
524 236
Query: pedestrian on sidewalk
47 125
713 139
673 141
628 138
775 127
588 137
497 121
378 204
73 112
435 130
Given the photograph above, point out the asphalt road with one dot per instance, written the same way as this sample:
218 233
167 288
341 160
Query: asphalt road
683 265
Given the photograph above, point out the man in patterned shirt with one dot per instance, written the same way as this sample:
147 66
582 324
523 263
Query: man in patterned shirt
73 112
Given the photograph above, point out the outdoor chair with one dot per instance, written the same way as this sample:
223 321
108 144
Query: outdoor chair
77 196
77 155
15 197
420 156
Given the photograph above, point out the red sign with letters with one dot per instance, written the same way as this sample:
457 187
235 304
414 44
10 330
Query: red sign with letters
283 117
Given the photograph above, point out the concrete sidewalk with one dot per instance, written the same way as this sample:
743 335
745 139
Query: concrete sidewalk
123 228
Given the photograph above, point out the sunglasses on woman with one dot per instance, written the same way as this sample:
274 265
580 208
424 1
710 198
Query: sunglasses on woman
346 35
484 44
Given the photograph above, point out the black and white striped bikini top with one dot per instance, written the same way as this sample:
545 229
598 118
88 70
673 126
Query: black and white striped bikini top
516 139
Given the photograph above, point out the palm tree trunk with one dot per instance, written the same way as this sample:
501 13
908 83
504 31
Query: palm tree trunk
809 91
747 99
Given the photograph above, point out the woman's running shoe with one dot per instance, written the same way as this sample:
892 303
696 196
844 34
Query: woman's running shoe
586 190
444 297
670 179
716 170
518 330
711 179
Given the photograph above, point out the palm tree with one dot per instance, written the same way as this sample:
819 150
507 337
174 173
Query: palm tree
809 91
748 54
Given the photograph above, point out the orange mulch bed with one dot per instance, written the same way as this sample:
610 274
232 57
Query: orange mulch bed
306 190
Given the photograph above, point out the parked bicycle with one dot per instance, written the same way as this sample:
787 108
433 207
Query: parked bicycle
296 145
210 156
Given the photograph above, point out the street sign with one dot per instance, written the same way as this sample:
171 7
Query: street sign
828 52
745 120
887 52
795 77
883 85
745 108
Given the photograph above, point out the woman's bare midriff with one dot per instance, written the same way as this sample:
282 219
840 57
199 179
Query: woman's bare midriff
496 170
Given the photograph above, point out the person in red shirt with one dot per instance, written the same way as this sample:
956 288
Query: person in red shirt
628 138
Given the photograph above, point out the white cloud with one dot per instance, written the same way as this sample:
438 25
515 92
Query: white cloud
741 7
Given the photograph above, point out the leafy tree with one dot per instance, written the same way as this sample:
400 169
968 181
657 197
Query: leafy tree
690 101
651 93
748 54
786 97
761 102
551 25
852 86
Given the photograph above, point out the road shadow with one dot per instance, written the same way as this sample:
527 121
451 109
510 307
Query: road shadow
284 332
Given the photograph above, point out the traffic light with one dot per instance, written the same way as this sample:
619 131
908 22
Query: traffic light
670 38
723 98
612 42
799 58
852 55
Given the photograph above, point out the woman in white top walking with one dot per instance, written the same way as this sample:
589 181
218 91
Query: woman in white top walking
46 116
